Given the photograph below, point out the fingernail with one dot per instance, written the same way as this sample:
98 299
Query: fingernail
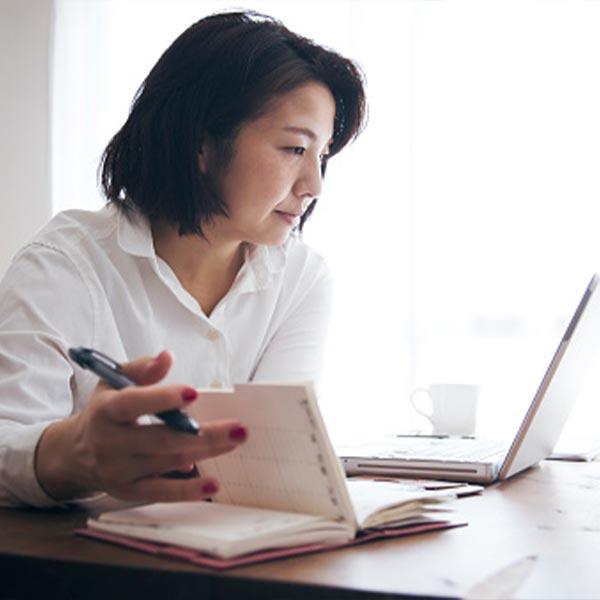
189 395
238 434
210 488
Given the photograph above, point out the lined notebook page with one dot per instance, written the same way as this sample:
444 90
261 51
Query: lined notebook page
287 463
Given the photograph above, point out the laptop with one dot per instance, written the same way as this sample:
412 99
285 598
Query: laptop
476 460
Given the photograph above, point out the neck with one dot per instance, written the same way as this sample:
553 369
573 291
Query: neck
206 267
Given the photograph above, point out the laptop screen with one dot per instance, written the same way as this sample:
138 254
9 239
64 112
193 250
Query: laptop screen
544 421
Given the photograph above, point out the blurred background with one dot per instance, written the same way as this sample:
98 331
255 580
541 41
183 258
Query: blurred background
461 227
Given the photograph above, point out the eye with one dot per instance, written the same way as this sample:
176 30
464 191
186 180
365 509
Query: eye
324 158
297 150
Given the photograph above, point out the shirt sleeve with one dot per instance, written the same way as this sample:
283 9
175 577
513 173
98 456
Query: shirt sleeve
45 307
296 350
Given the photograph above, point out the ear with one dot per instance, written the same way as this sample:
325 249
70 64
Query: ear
205 153
202 160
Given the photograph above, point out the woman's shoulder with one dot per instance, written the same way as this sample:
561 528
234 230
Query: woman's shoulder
69 229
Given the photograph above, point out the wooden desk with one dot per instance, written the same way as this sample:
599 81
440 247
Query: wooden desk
551 511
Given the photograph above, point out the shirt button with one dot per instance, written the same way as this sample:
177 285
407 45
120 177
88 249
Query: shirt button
213 335
215 383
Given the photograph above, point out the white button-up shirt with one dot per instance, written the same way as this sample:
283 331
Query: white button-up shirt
93 279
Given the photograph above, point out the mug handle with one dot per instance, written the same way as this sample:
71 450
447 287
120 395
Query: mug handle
413 401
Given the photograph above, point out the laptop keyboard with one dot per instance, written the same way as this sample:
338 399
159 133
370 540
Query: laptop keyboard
446 448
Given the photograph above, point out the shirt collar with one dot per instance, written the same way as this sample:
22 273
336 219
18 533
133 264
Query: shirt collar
134 234
262 263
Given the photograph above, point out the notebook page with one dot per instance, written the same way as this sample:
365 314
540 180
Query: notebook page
377 503
220 529
287 463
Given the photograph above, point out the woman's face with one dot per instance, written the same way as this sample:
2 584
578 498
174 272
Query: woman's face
275 169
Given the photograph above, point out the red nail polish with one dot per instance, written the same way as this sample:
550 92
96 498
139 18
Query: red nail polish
189 395
238 434
210 488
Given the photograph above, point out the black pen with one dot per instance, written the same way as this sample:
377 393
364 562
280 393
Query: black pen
110 371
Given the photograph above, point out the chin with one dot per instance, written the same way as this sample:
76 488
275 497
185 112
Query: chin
271 239
278 241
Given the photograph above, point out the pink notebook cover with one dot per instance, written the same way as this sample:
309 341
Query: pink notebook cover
198 558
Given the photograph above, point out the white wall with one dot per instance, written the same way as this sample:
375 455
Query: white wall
25 203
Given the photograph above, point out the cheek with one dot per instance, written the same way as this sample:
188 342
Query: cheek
257 179
263 181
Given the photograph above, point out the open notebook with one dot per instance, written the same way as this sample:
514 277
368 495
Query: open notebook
282 492
484 461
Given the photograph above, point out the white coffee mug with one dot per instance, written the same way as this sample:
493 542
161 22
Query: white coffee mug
453 407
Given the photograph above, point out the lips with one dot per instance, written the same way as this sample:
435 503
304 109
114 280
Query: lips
289 217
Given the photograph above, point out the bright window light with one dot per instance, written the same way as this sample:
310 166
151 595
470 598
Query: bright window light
462 226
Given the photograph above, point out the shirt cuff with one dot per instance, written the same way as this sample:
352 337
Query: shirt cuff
18 482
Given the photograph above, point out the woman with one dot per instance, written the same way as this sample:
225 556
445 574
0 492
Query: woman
217 167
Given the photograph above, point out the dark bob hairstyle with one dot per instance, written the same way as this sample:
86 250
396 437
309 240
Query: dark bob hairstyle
218 74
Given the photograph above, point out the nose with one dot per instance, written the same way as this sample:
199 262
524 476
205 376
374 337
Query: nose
309 182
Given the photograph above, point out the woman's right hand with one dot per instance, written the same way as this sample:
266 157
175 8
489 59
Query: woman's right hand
103 448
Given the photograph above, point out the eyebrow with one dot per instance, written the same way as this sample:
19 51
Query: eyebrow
309 133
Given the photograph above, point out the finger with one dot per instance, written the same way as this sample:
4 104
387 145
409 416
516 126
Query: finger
148 370
137 468
216 438
171 490
153 450
142 467
187 473
126 405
